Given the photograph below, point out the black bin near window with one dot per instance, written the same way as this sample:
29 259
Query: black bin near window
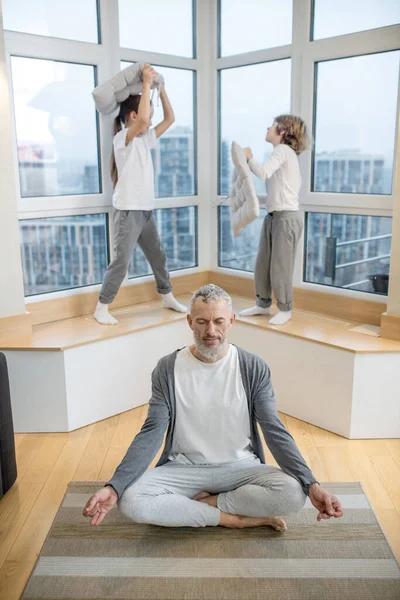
380 283
8 465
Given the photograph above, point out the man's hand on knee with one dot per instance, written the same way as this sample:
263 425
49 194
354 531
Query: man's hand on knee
100 504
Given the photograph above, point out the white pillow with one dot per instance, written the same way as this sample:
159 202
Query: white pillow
244 204
127 82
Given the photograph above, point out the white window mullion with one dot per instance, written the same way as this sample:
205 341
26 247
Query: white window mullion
207 127
300 40
251 58
346 210
71 203
48 48
177 201
109 66
354 44
154 58
393 305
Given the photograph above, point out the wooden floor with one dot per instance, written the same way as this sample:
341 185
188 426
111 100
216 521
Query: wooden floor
47 462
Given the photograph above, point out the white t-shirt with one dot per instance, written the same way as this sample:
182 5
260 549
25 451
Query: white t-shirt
282 173
135 187
212 417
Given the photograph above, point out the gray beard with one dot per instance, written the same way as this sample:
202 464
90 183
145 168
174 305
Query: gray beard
209 353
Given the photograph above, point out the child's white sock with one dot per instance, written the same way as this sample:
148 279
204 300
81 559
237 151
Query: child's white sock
168 301
254 310
281 317
102 315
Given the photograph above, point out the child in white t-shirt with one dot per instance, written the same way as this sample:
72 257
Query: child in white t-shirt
133 199
283 224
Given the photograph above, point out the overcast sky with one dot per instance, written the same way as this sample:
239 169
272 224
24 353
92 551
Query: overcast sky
356 98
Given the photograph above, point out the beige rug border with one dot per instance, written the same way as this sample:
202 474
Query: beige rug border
100 483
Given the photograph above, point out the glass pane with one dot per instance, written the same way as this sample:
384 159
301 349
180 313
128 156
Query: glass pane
60 253
355 124
56 127
241 252
53 18
174 157
348 251
178 231
245 116
157 26
338 17
256 25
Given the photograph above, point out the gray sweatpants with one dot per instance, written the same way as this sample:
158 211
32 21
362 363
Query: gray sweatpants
163 496
133 227
273 272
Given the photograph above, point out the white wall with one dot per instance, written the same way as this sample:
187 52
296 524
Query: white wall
12 300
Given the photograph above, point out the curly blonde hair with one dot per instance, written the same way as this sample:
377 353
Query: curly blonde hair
294 132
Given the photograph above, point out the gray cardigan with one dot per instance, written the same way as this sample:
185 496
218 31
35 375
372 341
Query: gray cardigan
262 409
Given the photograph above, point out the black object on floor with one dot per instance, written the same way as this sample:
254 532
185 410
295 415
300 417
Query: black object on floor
380 282
8 464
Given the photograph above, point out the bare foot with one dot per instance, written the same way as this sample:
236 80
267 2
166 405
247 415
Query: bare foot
201 495
241 522
208 499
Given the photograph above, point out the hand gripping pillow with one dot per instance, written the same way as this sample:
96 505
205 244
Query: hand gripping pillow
244 204
110 94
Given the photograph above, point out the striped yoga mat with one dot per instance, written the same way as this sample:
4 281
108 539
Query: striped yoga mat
345 559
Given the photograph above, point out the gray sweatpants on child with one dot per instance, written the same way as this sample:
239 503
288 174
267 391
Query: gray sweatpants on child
273 272
163 496
133 227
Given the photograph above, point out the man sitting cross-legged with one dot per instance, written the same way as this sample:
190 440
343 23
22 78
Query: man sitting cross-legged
210 397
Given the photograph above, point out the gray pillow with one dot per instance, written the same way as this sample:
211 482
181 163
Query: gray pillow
108 96
244 203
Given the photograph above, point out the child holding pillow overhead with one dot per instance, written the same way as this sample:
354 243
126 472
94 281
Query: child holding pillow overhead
283 225
133 198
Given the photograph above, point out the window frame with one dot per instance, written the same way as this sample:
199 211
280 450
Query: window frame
98 31
331 37
82 288
146 53
333 286
305 53
106 57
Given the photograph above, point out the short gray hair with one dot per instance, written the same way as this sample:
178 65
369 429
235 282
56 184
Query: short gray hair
209 293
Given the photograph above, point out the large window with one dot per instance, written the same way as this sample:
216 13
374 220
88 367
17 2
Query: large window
355 124
60 253
339 17
348 251
247 109
174 157
241 252
178 230
56 127
157 26
53 18
255 25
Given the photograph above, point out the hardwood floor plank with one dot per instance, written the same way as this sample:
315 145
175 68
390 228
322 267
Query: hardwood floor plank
44 460
326 439
127 427
27 450
18 437
389 474
22 556
393 447
305 442
96 450
16 509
